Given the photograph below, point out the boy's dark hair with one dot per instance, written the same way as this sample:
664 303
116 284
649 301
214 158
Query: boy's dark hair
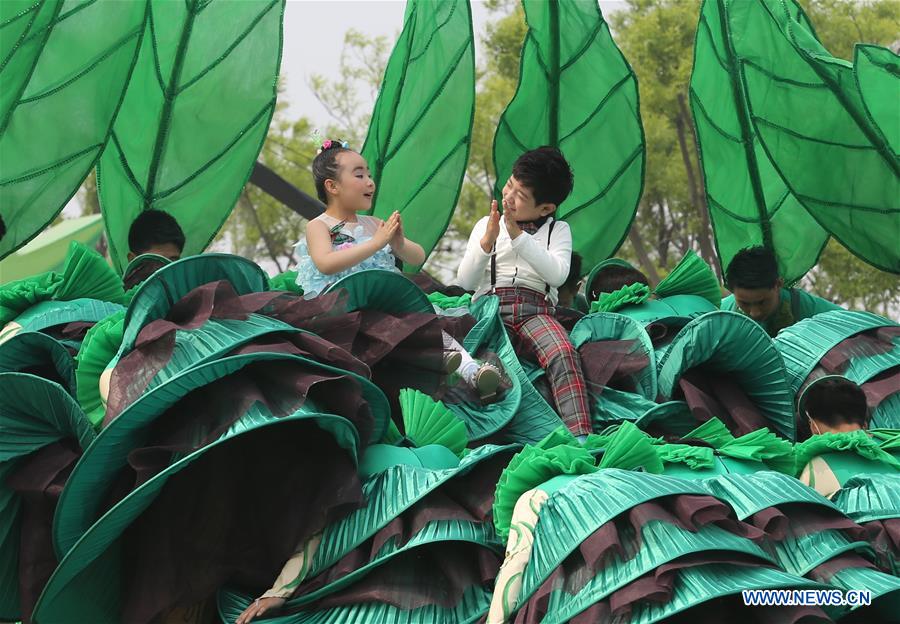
325 167
547 173
612 278
835 402
152 228
752 268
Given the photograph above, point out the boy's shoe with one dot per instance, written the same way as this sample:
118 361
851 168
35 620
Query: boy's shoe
487 380
452 360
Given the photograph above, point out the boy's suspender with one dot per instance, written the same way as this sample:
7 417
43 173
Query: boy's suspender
494 261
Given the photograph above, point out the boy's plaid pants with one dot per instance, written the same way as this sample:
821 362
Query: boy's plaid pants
532 318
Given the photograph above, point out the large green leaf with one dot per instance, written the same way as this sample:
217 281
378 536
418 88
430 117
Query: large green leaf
194 117
577 92
749 203
811 115
418 141
64 65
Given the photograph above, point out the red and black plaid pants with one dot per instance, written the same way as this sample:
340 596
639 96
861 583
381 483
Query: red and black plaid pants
532 319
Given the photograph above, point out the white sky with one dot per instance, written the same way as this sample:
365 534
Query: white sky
314 35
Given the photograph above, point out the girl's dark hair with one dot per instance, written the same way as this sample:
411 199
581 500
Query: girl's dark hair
325 166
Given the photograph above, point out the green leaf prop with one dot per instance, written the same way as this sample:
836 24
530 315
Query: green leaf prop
418 141
749 203
64 65
820 119
577 92
691 276
194 117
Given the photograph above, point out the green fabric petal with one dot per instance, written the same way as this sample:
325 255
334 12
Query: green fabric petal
286 281
764 446
393 435
887 438
29 351
100 345
630 448
870 497
446 302
691 276
531 467
627 295
712 431
695 457
430 422
85 275
858 442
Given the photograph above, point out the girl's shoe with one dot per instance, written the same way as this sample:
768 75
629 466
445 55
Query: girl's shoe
486 381
452 360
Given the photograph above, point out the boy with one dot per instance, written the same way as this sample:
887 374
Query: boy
758 292
523 258
155 232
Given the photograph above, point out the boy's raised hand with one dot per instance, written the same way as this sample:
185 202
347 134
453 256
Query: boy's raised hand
493 229
387 230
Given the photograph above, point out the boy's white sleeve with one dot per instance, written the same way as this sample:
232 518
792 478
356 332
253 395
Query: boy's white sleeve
552 263
475 261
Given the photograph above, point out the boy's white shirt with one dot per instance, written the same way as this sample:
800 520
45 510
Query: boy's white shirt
526 261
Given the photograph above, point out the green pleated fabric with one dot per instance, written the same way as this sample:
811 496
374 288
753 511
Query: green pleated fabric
80 503
155 297
695 586
792 74
887 414
427 421
660 543
884 589
749 202
602 326
571 514
385 291
85 275
800 554
848 453
612 406
803 344
49 314
388 495
418 142
98 349
673 416
674 311
94 562
169 150
34 412
733 343
286 281
29 350
521 413
577 91
691 276
757 446
870 497
470 609
65 67
751 493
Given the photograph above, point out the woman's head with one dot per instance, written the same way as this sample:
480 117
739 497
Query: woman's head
342 176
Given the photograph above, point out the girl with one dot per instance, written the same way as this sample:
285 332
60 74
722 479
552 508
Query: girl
341 241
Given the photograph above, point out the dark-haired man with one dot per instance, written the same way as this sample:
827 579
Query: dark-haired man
155 232
758 291
523 258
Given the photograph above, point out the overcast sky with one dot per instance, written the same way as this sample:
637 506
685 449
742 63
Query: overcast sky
314 34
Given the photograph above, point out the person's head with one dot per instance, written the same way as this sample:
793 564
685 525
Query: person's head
156 232
541 180
613 277
752 276
342 177
834 405
569 288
